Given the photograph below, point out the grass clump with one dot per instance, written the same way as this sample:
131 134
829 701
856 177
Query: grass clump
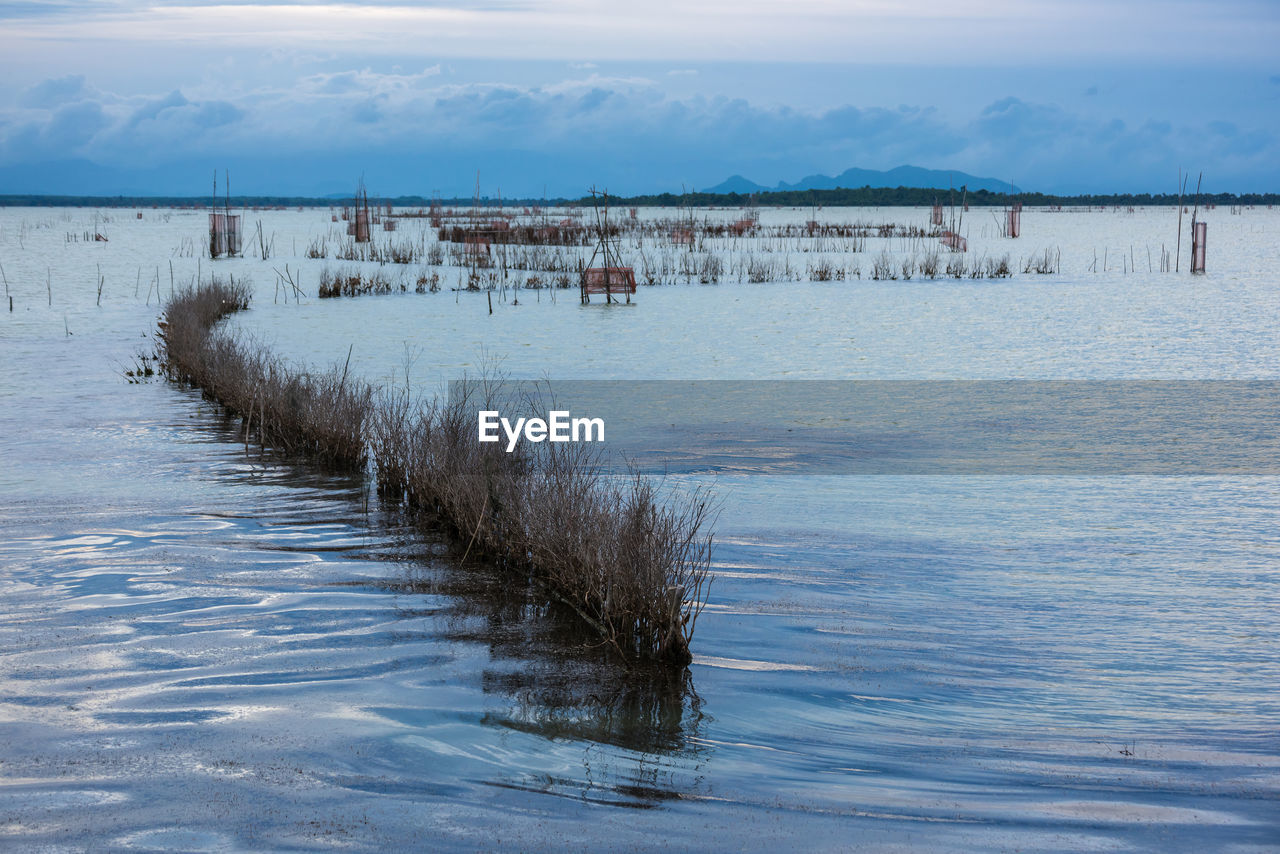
353 282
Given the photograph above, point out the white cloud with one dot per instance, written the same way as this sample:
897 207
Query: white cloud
988 32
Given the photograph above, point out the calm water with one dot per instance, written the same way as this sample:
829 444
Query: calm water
203 650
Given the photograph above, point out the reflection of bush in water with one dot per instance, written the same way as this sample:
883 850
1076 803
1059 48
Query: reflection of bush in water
645 711
638 730
563 683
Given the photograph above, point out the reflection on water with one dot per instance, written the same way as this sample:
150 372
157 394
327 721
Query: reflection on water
556 680
645 712
653 719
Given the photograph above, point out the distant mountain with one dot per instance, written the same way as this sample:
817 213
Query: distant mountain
902 176
737 184
334 176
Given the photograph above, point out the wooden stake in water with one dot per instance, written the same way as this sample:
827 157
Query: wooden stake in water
1177 251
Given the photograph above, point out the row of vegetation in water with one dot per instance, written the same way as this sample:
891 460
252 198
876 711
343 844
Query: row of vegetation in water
706 268
631 565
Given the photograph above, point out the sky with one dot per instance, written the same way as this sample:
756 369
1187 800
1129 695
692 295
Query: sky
550 97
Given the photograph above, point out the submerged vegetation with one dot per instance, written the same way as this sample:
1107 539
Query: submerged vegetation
353 283
633 567
505 251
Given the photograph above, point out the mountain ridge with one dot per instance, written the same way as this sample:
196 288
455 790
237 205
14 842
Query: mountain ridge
853 178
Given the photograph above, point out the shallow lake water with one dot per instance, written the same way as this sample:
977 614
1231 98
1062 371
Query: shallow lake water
205 648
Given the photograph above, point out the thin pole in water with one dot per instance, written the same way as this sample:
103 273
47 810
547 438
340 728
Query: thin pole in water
1177 252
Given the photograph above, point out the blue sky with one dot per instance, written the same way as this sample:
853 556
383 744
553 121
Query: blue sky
304 97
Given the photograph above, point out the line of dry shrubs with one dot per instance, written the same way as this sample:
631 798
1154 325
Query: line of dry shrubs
316 415
631 565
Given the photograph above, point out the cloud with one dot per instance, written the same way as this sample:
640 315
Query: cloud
43 9
152 109
108 127
55 91
340 84
368 82
67 129
367 112
417 132
1196 31
593 100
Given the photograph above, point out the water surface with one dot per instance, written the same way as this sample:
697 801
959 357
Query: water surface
204 649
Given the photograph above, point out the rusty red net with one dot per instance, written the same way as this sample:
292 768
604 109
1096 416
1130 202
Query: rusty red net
618 280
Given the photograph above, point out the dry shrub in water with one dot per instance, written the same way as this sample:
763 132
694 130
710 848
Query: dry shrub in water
317 415
929 265
354 282
632 566
629 564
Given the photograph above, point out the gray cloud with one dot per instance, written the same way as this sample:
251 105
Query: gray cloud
55 91
152 109
625 133
20 10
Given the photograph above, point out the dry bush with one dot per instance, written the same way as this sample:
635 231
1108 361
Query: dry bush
317 415
929 265
822 271
1043 264
354 283
633 567
883 268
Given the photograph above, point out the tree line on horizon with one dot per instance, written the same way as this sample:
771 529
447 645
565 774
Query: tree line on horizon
838 197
